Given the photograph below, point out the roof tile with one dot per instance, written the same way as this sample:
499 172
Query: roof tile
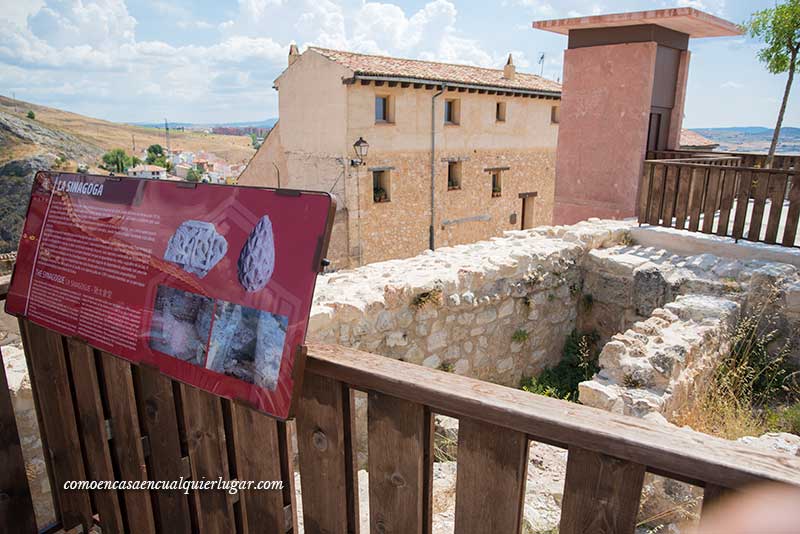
368 65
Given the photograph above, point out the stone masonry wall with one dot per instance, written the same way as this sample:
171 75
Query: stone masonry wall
675 315
496 310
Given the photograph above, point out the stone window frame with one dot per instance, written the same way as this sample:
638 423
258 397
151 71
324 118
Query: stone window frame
500 111
381 180
498 172
455 172
452 111
388 108
555 114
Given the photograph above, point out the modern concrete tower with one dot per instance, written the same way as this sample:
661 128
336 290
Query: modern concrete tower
623 94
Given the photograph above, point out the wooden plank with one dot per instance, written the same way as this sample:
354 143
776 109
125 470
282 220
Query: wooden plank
712 190
48 367
726 200
16 505
684 454
257 449
400 438
92 421
682 197
696 197
126 440
159 421
742 202
670 193
601 494
329 484
491 461
657 193
205 436
777 194
285 440
760 189
645 186
793 214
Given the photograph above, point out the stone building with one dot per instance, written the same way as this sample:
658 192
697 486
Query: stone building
456 153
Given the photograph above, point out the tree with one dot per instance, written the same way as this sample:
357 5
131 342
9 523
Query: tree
193 175
117 160
779 28
31 115
157 156
154 152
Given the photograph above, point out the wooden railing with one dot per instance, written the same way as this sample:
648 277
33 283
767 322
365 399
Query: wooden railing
102 418
740 202
746 159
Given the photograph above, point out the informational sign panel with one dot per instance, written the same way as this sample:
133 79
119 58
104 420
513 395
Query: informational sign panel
211 284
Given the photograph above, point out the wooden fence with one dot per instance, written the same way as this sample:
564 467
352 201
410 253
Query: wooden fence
103 418
746 159
740 202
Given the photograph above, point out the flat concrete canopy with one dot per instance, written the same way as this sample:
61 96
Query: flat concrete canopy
686 20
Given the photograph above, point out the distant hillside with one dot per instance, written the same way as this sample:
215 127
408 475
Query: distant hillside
752 139
268 123
55 137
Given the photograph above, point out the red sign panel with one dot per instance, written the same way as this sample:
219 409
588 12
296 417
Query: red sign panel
211 284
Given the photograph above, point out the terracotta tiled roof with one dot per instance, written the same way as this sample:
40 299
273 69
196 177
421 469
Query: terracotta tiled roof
692 139
367 65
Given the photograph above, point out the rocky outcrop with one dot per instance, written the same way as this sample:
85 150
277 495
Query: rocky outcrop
48 140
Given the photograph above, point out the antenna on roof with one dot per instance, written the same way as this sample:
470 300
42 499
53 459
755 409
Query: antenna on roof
541 63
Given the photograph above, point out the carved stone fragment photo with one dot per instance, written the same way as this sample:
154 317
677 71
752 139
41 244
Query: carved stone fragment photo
247 344
257 259
196 247
181 324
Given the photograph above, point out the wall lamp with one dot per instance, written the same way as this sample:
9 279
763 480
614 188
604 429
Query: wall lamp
361 148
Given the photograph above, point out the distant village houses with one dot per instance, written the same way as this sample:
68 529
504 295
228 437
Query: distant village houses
417 154
153 172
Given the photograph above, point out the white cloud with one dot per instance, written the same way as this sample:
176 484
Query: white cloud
716 7
731 85
93 55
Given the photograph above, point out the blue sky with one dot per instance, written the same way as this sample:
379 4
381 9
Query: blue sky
214 60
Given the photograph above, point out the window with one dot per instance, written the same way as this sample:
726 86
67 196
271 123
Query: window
452 111
383 109
380 186
500 112
497 187
554 115
453 175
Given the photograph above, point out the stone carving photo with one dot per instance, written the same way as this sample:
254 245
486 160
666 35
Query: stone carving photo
181 324
257 260
247 344
196 247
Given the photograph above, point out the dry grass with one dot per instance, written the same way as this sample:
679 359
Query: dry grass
108 135
753 381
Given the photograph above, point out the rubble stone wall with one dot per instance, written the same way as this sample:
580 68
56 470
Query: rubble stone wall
496 310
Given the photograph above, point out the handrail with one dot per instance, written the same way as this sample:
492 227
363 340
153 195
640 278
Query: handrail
680 453
685 163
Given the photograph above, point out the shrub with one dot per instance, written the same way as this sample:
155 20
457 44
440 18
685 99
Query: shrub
520 335
31 115
749 383
578 363
434 296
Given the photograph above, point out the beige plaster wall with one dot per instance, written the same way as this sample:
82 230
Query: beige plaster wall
321 118
598 171
268 163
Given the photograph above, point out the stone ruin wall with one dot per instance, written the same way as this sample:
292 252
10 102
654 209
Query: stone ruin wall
497 310
669 320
